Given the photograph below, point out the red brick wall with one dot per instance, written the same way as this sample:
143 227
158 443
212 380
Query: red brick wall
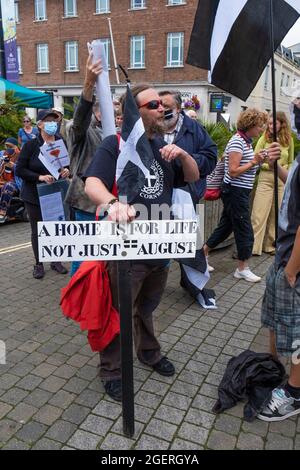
154 22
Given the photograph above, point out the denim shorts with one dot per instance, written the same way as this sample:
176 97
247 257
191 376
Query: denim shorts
281 311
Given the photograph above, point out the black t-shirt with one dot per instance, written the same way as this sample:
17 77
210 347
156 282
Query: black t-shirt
164 176
158 188
289 216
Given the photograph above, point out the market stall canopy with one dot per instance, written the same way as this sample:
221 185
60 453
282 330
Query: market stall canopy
31 98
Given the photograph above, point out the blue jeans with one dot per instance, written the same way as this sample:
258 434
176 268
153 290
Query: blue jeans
80 216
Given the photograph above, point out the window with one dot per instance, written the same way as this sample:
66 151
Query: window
19 51
70 8
17 17
176 2
175 50
282 82
106 43
267 77
42 58
136 4
40 10
137 52
102 6
72 56
287 83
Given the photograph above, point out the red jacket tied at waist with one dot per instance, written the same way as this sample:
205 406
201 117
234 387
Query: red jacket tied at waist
87 300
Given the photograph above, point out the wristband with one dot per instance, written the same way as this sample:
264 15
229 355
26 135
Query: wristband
111 203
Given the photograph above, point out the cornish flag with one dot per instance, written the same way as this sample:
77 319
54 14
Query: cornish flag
136 156
231 39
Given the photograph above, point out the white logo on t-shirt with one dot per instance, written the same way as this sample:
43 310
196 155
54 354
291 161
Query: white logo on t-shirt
154 183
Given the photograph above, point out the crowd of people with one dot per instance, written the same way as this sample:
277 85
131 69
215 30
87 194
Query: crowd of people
185 155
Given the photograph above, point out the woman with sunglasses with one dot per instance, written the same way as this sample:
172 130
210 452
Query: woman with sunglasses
27 132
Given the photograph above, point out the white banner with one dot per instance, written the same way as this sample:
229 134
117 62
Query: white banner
103 90
143 239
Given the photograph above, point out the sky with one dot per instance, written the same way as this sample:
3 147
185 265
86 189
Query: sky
293 36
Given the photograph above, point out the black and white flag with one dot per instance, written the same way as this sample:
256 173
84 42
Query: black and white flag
136 156
231 39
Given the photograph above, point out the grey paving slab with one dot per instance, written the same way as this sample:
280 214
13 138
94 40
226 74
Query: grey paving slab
84 440
51 396
161 429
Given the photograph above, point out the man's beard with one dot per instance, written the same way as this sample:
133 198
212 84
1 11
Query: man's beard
155 127
170 123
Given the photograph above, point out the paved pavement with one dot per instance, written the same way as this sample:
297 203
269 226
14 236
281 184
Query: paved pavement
52 398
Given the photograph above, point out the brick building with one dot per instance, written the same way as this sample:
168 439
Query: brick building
151 39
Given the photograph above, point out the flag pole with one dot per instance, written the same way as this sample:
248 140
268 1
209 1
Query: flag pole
274 113
113 50
126 343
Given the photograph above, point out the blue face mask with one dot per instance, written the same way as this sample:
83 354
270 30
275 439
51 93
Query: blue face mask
51 128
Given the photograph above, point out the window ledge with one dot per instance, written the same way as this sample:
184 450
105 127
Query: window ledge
136 68
40 21
137 9
174 67
102 13
43 72
178 5
69 17
72 71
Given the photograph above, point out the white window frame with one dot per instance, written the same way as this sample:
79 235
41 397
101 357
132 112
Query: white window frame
42 47
174 3
266 85
106 43
40 4
135 6
170 38
67 14
17 15
102 6
134 40
71 67
19 52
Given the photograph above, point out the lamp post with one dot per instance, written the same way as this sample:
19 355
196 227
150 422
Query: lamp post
2 54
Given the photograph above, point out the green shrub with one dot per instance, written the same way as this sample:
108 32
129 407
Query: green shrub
11 116
219 133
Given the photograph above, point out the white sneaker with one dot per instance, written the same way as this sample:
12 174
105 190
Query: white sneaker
246 274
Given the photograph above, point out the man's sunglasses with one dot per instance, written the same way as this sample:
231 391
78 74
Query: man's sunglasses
153 104
26 121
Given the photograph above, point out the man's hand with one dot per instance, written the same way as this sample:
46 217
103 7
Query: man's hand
120 212
92 71
290 277
172 151
46 179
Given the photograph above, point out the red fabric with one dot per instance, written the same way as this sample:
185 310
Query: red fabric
212 194
87 300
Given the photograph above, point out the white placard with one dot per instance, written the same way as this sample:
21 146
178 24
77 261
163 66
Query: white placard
103 90
143 239
52 207
54 157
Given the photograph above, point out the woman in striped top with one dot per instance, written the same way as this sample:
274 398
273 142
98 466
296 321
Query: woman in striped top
241 164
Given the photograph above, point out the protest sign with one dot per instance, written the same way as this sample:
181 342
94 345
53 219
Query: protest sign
90 241
54 157
51 197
